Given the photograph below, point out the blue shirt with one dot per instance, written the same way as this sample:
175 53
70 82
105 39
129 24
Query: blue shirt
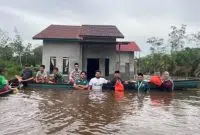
27 74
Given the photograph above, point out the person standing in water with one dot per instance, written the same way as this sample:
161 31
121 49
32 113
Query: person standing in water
117 80
97 82
167 82
74 74
82 83
141 84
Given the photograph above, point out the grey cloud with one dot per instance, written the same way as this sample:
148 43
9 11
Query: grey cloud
136 19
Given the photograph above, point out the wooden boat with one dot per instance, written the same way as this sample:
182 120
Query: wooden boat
5 92
178 85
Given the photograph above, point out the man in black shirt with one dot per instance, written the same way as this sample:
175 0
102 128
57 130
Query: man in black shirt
116 78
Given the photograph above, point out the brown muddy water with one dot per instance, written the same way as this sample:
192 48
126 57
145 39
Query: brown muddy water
40 112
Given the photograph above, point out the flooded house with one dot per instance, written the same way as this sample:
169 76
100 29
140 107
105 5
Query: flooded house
94 47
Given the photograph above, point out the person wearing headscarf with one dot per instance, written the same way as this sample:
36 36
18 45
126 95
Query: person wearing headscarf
167 82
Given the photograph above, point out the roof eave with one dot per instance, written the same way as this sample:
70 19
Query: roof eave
85 36
75 39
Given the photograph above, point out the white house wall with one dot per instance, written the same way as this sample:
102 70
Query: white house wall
60 50
126 57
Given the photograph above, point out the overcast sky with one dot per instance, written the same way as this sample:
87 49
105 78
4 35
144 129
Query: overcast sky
136 19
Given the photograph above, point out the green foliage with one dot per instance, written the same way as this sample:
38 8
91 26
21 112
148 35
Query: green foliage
177 38
12 68
194 39
181 60
14 53
38 54
157 44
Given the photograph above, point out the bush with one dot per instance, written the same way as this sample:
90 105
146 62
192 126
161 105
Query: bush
11 67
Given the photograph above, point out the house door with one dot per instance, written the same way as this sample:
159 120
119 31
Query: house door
92 66
106 67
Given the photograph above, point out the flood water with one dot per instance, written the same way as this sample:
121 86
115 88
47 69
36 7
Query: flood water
40 112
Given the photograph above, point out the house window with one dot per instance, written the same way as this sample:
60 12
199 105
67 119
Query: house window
52 63
65 65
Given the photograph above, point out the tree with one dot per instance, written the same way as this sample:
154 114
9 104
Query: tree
194 39
158 49
177 38
38 54
6 52
157 44
27 53
18 47
3 38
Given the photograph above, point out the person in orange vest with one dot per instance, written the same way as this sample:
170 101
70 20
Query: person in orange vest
156 79
117 82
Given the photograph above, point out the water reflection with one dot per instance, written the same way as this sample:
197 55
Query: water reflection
75 112
78 112
96 96
161 98
119 95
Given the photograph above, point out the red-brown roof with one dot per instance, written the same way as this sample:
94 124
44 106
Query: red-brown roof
100 31
59 32
77 32
130 47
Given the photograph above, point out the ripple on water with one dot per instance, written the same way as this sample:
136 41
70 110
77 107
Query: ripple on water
19 115
75 112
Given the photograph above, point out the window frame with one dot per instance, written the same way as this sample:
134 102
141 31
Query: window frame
67 65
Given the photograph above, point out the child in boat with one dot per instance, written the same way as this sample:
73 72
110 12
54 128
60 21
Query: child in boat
57 77
82 83
3 82
167 83
141 84
97 82
41 76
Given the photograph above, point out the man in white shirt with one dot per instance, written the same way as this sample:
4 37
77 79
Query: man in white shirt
97 82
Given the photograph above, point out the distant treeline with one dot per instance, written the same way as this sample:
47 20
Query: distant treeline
14 53
180 54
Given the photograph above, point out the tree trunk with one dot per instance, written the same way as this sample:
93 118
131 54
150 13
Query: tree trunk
20 60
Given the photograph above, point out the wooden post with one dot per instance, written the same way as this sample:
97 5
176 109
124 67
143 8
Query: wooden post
119 56
139 62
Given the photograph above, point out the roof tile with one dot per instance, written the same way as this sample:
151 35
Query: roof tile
59 32
130 47
77 32
101 31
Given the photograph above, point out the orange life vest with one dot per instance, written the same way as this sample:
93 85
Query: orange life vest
119 86
156 80
119 95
